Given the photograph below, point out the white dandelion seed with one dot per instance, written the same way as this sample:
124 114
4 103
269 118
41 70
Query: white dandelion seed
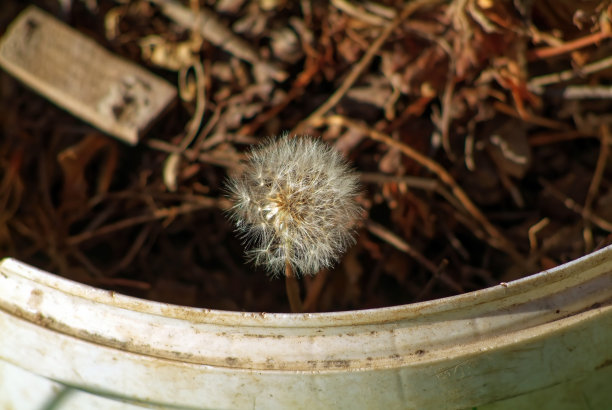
295 205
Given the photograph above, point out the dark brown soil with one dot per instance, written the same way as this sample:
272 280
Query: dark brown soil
481 129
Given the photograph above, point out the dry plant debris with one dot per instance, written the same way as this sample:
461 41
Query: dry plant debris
480 129
116 96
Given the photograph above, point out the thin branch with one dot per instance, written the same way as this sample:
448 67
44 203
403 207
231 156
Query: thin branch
358 68
399 244
498 240
196 120
536 83
574 206
428 184
545 138
579 92
546 52
293 289
158 214
604 151
529 117
314 291
213 30
532 233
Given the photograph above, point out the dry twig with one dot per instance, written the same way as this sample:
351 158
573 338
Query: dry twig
574 206
535 84
358 69
399 244
218 34
171 212
602 159
497 238
547 52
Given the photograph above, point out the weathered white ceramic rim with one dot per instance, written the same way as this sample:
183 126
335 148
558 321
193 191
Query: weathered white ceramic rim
396 357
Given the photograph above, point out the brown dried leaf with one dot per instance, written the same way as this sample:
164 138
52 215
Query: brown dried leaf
74 162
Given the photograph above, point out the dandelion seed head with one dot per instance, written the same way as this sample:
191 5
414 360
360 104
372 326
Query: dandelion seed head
295 203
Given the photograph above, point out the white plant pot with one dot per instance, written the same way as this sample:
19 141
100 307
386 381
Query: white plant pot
543 341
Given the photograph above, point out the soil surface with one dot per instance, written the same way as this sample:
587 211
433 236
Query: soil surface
480 129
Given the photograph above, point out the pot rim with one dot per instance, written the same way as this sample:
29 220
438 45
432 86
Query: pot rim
364 339
447 349
338 318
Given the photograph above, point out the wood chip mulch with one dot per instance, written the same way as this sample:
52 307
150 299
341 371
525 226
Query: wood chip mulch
481 130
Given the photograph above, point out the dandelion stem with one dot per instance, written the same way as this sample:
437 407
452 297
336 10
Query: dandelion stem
293 289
